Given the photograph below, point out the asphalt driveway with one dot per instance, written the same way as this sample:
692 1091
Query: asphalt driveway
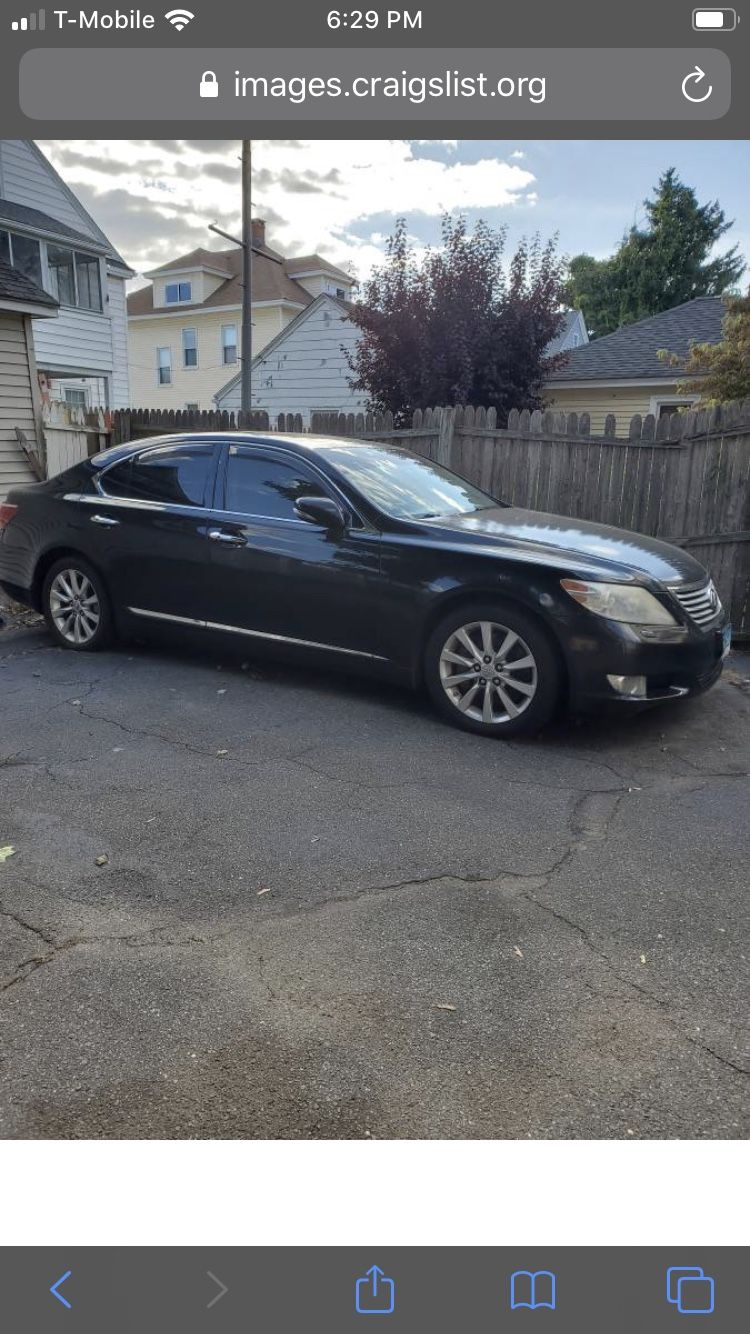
246 900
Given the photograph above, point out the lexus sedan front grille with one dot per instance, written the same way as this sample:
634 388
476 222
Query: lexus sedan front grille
701 604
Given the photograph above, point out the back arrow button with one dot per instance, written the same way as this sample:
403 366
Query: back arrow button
58 1284
223 1290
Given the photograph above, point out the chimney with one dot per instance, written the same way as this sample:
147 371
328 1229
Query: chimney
259 232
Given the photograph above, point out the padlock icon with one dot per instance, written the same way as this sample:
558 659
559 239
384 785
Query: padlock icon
209 84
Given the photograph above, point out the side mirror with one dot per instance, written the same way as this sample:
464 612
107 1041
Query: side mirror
321 510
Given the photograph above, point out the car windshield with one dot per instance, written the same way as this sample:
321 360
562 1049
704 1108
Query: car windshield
402 484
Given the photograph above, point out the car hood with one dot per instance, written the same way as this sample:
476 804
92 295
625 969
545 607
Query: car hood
595 546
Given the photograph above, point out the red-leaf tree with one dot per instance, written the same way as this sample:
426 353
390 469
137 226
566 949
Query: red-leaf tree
454 326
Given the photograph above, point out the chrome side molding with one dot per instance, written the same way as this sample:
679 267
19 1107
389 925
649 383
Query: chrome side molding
253 634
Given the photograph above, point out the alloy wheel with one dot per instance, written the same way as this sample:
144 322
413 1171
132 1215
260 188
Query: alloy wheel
74 606
488 672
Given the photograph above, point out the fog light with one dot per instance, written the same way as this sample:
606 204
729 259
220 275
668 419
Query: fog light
632 686
663 634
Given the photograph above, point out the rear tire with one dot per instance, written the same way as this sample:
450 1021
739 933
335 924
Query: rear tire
76 606
491 669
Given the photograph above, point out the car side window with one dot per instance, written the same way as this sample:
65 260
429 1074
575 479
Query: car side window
177 476
262 485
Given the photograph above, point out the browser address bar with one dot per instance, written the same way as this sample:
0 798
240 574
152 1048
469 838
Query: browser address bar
277 84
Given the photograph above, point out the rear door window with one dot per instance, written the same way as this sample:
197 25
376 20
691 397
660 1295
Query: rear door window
260 485
179 475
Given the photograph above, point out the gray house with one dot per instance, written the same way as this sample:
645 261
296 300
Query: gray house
48 236
304 368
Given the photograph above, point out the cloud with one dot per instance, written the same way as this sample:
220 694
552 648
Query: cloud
167 191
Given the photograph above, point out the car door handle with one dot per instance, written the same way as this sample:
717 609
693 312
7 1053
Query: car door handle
104 520
229 539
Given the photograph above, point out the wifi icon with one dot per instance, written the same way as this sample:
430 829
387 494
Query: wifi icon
179 18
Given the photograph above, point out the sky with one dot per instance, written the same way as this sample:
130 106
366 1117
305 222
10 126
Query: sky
155 198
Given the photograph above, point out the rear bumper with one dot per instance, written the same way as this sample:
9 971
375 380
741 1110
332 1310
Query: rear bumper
672 671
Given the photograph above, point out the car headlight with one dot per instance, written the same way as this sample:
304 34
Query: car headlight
619 602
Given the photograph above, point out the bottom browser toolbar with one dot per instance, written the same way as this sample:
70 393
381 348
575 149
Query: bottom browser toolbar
142 1291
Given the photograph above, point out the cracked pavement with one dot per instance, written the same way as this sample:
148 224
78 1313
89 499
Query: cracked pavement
323 913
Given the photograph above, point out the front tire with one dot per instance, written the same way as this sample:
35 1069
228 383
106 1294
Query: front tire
76 606
491 669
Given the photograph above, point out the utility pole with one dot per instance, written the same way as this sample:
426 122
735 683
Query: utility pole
246 348
247 277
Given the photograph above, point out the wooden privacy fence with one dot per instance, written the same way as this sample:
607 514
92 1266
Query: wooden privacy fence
684 478
70 434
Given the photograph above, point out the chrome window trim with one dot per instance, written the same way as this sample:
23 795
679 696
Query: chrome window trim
126 502
253 634
162 506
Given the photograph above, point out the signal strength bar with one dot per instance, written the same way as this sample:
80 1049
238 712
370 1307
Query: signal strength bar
34 22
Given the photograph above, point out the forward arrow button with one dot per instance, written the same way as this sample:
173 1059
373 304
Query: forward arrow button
223 1289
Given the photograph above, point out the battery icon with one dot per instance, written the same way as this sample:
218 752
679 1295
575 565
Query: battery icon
715 20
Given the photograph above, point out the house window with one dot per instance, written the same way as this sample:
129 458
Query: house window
164 365
75 397
25 257
5 247
74 278
667 407
88 281
192 407
340 292
229 344
62 274
189 348
174 292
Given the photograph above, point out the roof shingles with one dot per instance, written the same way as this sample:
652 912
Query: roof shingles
15 286
33 218
271 282
630 352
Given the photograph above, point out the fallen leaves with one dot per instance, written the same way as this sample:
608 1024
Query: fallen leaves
6 851
101 860
222 752
518 951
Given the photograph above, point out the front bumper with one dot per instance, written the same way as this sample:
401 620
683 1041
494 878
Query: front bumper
671 670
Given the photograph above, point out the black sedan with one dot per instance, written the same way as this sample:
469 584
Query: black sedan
362 554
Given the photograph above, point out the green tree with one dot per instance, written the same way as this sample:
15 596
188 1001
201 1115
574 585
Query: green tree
659 265
720 371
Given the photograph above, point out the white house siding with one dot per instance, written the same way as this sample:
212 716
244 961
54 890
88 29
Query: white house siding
79 341
118 314
26 179
16 402
306 371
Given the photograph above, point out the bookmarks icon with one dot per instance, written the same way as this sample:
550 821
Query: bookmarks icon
533 1290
